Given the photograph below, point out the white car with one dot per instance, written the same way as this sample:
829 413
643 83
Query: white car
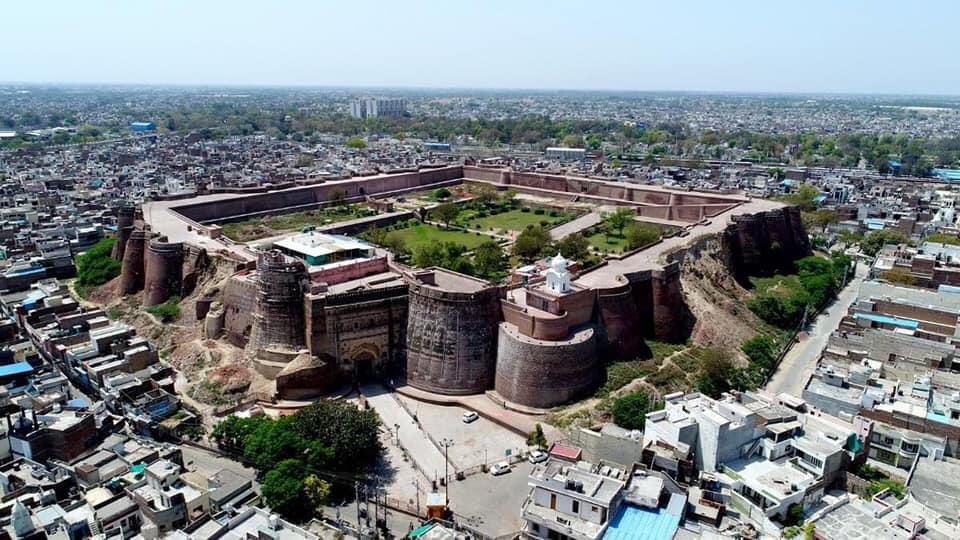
537 456
470 416
501 467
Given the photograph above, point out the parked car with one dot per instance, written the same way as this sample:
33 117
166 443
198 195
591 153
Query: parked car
500 467
538 456
470 416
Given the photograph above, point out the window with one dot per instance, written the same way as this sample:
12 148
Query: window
575 507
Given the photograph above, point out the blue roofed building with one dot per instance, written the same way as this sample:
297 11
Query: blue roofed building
947 175
143 127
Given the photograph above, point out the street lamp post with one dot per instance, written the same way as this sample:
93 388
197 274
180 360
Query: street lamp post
446 443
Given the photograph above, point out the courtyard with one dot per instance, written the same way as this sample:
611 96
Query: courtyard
424 234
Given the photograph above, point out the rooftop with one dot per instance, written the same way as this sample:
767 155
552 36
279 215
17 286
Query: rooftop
634 523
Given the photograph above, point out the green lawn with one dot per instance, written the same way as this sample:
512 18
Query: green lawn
256 228
609 243
511 220
419 235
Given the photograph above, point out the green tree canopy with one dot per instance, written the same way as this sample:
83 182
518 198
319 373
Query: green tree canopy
489 260
641 234
445 213
531 243
283 491
630 411
574 247
618 220
356 143
874 242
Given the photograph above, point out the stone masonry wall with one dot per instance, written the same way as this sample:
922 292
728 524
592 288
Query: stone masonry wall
451 340
545 374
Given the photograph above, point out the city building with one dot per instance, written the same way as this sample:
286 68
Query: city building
378 108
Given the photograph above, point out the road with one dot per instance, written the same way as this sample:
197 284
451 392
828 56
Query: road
424 453
792 374
491 504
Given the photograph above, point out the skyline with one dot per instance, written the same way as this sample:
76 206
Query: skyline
848 49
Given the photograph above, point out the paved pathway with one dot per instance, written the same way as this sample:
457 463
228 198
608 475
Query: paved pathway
571 227
423 452
792 374
518 422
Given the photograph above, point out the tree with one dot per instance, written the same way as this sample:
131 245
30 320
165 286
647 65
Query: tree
618 220
95 266
824 218
641 234
352 434
630 411
573 141
356 143
574 247
317 492
531 243
849 237
537 438
805 197
485 195
396 245
875 241
942 238
488 259
446 213
809 531
304 160
761 350
716 367
441 194
283 490
338 196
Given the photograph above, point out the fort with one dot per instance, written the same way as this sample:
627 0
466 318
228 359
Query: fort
536 344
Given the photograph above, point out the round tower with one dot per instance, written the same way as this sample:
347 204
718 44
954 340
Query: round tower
452 333
278 315
163 269
125 216
132 271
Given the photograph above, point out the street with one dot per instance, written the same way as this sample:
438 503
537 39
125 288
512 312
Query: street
792 373
491 504
424 453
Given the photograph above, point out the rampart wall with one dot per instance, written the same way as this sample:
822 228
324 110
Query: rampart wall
223 209
767 243
239 301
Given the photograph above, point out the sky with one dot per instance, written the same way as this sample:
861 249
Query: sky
843 46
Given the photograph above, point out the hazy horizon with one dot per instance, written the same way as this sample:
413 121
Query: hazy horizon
698 47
